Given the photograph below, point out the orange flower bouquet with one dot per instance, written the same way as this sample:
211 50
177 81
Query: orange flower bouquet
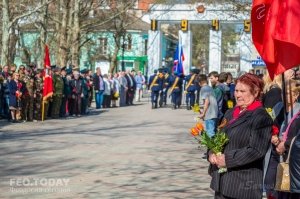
215 144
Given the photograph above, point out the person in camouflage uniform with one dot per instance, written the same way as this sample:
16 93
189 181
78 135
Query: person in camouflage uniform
58 90
29 95
38 95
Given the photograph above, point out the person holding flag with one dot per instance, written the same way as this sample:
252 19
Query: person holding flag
178 60
48 84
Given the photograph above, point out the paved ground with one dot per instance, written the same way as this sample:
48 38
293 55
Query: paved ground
131 152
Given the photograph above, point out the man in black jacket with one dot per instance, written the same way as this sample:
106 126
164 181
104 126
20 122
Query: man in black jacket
99 87
131 87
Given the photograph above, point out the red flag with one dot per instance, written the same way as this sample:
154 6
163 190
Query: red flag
47 62
48 87
276 33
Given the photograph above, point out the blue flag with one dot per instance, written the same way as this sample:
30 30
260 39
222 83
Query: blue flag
178 60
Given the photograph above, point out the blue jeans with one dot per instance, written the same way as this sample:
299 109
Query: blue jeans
99 99
210 126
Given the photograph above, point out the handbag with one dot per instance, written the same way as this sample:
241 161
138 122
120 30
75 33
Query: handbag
283 174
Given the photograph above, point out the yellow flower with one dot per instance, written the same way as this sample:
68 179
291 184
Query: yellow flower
196 108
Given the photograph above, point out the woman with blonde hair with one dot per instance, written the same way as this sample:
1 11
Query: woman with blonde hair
289 130
16 90
272 101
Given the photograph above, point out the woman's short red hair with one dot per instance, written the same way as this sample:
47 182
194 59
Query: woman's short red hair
254 82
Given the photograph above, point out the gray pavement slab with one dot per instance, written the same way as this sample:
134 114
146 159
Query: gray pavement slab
128 152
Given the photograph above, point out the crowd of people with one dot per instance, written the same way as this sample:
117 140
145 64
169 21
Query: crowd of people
251 109
22 98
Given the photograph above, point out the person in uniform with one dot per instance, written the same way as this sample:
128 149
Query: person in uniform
161 80
154 87
190 88
29 95
166 85
38 95
176 85
66 92
58 89
85 91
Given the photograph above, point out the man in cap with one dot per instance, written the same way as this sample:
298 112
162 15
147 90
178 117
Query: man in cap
154 87
66 93
58 90
28 97
161 81
166 85
38 94
176 85
190 89
85 91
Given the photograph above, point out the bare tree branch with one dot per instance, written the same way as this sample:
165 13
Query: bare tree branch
29 13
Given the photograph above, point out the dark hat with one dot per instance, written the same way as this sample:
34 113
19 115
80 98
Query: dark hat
160 70
195 71
28 68
32 65
63 68
166 70
56 69
84 71
53 67
39 70
69 71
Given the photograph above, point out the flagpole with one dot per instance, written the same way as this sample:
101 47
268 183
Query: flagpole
43 109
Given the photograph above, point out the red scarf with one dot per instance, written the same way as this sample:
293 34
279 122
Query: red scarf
237 110
19 85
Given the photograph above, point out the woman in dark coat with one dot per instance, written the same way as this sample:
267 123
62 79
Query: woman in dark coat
295 167
249 129
77 93
16 89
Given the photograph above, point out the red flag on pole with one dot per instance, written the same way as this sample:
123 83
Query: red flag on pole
276 33
48 87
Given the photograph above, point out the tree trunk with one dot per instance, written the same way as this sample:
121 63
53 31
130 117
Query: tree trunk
13 39
43 35
114 61
76 35
62 33
5 32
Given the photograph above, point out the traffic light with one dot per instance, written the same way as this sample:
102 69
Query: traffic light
153 25
215 24
247 25
184 25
